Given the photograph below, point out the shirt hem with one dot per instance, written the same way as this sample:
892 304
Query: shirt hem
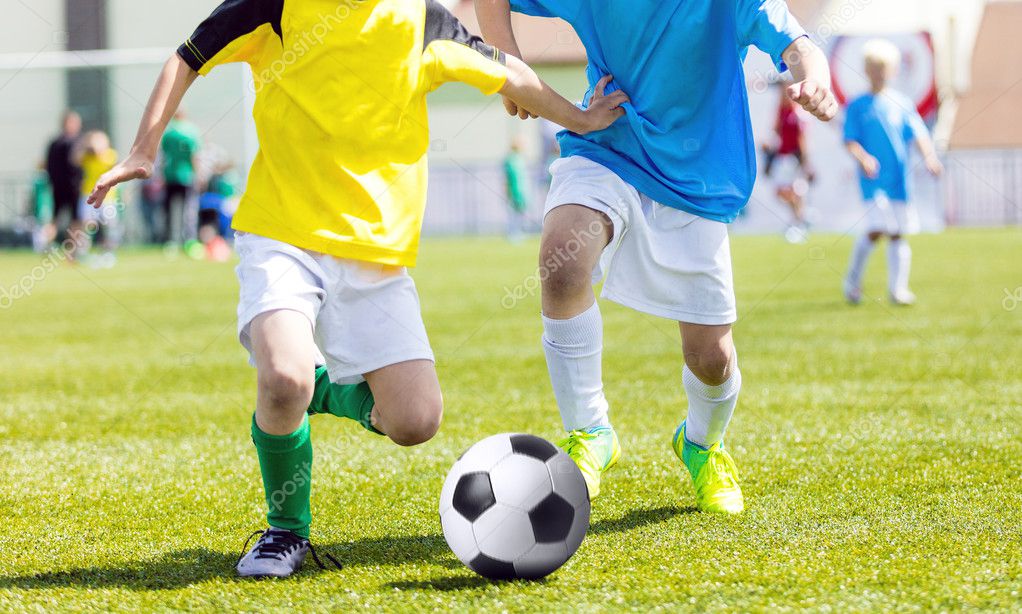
351 250
642 185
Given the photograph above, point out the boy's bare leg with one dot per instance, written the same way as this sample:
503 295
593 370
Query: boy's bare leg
284 351
409 404
573 238
711 379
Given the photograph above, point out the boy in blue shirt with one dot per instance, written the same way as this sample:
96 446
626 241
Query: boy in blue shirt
648 201
880 128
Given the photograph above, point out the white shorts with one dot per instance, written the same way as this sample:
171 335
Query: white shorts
891 217
789 174
661 261
365 316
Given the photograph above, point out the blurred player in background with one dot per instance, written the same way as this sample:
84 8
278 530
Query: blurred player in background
519 189
180 146
880 129
787 162
328 312
95 156
44 231
65 175
647 202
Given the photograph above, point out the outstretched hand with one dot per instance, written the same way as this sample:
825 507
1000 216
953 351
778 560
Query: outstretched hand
131 168
814 97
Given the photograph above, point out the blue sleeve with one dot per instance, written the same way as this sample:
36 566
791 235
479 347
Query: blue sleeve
915 127
853 124
769 26
539 8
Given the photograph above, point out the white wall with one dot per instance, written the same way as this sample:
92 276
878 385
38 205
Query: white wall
954 45
31 101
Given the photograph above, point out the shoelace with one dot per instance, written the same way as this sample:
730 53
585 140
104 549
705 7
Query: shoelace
276 544
722 467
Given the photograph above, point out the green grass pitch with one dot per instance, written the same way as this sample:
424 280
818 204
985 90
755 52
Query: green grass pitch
881 448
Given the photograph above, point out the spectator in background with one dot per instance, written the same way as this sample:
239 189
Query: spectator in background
95 156
180 146
516 172
43 229
64 174
788 163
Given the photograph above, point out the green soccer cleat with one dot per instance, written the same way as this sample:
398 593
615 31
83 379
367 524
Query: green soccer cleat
594 451
714 475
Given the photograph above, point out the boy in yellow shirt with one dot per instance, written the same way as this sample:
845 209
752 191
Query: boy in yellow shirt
332 216
94 155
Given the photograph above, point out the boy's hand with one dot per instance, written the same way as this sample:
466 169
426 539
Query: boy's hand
814 97
135 166
934 165
514 110
603 109
870 166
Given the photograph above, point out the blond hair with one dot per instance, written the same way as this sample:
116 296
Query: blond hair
881 51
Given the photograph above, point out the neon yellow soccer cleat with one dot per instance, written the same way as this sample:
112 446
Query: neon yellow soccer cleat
714 475
594 451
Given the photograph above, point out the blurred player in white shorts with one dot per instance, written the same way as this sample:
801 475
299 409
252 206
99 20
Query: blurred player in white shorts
787 163
880 128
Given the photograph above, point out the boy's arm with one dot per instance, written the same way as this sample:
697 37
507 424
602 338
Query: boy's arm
526 89
174 81
929 151
812 87
870 165
495 23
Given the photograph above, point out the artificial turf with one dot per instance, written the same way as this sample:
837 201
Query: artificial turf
881 448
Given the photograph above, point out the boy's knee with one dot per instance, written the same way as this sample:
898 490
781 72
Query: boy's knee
713 365
419 423
563 274
286 388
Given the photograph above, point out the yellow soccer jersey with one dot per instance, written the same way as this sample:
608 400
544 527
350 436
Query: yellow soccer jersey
341 114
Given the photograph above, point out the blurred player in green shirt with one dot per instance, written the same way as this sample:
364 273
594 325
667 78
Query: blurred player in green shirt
180 144
516 172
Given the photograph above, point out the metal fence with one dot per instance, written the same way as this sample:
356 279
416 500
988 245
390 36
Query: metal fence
984 187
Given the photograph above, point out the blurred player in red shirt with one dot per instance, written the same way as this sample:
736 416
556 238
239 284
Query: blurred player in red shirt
787 162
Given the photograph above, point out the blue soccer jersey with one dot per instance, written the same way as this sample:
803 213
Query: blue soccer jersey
886 125
686 140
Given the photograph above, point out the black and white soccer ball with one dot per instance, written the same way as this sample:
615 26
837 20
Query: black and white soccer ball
514 506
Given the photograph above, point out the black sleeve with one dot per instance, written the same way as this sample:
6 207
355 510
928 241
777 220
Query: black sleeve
230 21
442 25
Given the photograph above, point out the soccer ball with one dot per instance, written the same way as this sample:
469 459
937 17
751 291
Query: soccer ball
514 506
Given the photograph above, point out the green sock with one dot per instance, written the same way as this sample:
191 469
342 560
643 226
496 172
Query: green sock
352 401
286 464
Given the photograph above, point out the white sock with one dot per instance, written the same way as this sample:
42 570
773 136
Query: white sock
860 255
574 354
710 407
899 264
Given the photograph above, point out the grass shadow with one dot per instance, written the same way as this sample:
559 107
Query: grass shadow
454 583
639 518
183 568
